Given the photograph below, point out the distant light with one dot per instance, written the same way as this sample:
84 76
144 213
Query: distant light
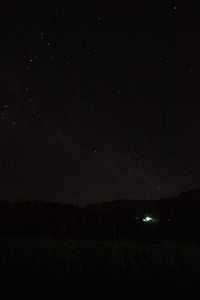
147 219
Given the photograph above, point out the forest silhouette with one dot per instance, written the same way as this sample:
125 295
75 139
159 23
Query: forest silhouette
176 217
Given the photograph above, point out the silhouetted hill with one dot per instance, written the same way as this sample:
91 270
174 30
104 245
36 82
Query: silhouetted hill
172 218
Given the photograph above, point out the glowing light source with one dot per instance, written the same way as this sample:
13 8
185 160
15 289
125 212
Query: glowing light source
147 219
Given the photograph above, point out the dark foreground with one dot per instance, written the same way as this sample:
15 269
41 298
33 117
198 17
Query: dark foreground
52 268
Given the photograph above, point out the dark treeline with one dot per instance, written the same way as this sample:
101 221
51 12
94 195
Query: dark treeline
176 217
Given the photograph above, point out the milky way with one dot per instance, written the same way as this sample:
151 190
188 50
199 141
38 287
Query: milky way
99 104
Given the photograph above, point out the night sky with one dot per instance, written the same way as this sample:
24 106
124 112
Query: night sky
99 103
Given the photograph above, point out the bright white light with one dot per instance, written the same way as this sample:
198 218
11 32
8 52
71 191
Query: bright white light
147 219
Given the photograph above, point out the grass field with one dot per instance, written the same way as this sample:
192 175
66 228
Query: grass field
52 268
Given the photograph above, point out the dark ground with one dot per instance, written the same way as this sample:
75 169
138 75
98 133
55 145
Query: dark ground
55 268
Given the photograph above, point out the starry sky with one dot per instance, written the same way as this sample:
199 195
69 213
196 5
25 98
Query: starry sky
99 102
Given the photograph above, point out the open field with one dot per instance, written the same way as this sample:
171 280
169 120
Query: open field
52 268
